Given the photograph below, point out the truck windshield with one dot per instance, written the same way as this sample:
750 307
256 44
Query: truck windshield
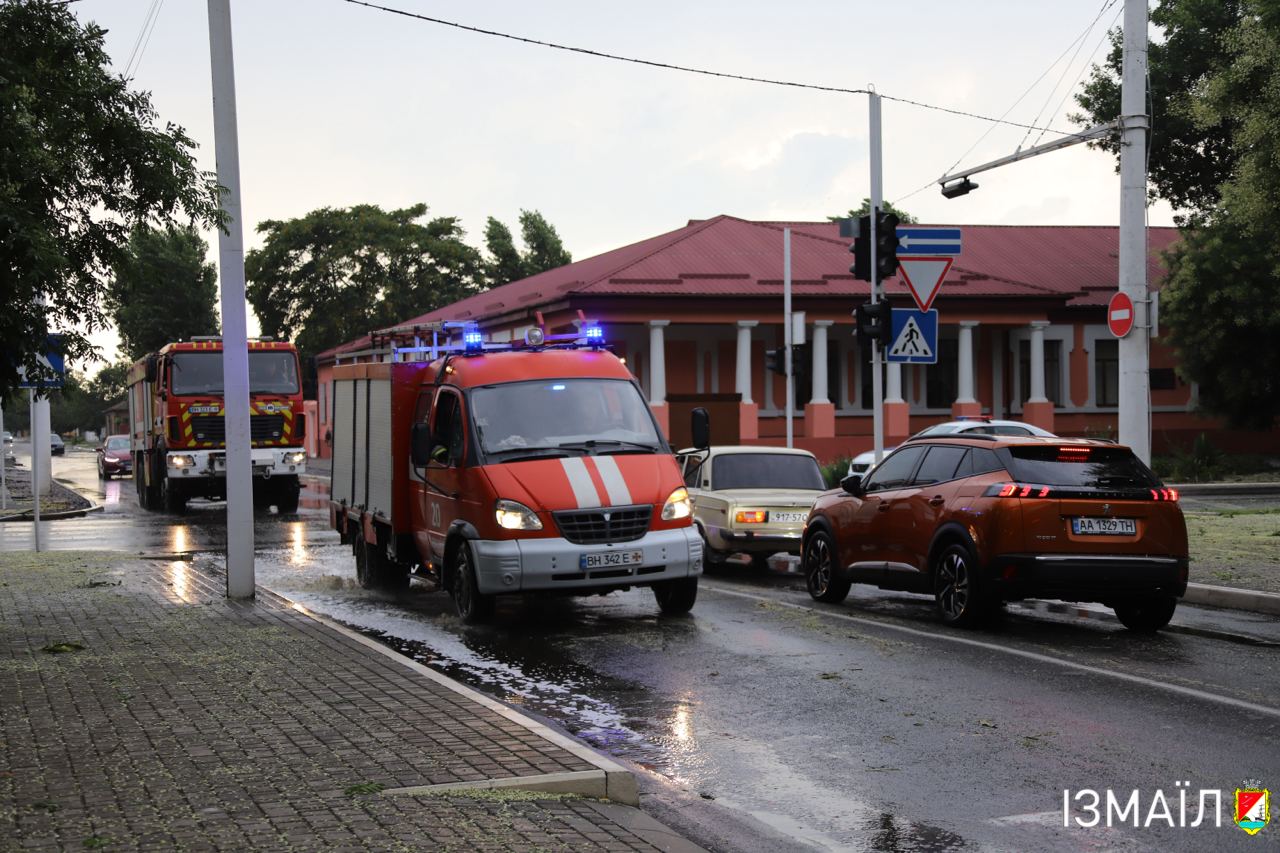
270 372
604 415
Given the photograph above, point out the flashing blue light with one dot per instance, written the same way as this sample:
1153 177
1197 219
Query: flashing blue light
472 340
557 387
594 333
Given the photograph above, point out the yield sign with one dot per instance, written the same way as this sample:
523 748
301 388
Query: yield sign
924 277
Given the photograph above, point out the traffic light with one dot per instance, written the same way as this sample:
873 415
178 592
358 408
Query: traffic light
801 358
776 360
861 249
875 322
886 245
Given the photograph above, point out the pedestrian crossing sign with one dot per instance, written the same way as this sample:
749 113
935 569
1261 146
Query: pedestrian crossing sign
915 336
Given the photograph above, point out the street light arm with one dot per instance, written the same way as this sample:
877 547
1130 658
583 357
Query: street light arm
1088 135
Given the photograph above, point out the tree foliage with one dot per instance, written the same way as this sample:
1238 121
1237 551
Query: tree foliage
337 273
82 160
164 289
903 217
544 249
1215 95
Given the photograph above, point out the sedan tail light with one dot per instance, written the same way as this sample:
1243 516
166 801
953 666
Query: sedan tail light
751 516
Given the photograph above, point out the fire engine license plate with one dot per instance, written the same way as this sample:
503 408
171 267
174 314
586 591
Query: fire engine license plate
609 559
788 517
1104 526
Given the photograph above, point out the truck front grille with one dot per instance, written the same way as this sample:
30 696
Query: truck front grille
606 524
213 428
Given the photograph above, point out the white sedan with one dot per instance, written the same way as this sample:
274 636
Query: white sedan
863 462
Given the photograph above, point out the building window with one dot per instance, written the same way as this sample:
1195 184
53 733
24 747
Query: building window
1052 370
1106 372
942 380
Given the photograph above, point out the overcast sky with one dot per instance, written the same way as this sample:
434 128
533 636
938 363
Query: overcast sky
341 104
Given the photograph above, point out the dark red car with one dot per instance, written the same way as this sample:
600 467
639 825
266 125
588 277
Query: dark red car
980 519
115 458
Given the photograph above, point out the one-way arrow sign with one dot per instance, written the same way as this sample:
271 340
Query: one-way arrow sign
929 241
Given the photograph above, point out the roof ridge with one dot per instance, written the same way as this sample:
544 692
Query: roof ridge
699 228
779 226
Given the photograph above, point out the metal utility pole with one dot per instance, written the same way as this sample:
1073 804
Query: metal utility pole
1134 348
235 346
4 466
877 198
40 462
787 332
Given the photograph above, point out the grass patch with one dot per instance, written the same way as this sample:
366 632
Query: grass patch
62 648
503 795
363 789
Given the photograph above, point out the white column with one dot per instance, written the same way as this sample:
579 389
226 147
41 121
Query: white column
743 364
657 362
819 374
893 389
1037 362
965 384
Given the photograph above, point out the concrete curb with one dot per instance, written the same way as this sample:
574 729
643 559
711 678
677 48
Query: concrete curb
1224 489
1233 599
609 780
29 514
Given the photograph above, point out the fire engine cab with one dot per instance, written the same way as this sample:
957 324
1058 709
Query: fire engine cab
502 468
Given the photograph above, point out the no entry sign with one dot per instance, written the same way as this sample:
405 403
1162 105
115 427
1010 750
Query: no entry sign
1120 314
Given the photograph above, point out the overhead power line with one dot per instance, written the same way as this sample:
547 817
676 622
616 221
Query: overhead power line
702 71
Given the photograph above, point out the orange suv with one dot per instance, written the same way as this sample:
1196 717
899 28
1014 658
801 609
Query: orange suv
977 520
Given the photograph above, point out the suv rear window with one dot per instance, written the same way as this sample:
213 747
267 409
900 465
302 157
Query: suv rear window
1077 465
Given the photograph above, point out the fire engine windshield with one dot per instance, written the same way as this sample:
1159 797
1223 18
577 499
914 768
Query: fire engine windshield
270 372
601 415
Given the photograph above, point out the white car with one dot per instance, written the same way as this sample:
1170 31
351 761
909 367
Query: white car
863 462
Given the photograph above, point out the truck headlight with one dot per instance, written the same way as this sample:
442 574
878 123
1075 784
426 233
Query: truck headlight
182 461
295 458
677 506
513 515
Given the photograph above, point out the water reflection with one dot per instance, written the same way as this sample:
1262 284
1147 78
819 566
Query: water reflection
178 578
111 492
178 540
297 554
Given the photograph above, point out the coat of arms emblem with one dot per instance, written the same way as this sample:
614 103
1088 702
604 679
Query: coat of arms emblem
1253 808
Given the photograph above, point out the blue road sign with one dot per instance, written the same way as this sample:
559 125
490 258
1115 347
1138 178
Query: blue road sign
53 359
915 336
928 241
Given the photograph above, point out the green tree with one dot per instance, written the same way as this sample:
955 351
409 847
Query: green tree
109 383
82 160
338 273
164 290
1215 91
865 208
544 249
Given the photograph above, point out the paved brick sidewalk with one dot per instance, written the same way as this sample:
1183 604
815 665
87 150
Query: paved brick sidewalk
185 721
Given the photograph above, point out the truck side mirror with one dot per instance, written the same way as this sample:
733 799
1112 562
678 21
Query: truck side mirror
153 368
701 428
420 445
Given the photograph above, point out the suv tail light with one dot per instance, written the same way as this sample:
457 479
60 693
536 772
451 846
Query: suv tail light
1023 490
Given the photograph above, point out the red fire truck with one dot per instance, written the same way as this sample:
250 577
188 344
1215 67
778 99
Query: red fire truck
177 430
509 468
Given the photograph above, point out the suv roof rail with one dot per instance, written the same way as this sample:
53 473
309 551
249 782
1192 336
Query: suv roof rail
948 435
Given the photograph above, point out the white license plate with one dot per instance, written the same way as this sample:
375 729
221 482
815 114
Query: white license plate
610 559
1104 526
788 517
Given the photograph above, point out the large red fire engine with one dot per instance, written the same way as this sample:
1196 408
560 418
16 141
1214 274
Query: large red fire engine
509 468
177 430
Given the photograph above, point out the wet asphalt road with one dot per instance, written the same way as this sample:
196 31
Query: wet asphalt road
861 726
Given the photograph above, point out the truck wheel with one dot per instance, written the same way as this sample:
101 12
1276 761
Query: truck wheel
473 606
368 562
172 496
676 597
287 497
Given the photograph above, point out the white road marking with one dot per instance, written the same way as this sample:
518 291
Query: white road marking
1192 692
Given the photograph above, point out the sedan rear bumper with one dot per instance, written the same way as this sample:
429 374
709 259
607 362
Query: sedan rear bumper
1076 577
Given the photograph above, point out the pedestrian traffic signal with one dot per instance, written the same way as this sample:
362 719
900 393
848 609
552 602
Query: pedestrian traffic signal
861 249
776 360
886 245
874 322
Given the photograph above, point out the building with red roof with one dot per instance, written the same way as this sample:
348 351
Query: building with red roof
1022 333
